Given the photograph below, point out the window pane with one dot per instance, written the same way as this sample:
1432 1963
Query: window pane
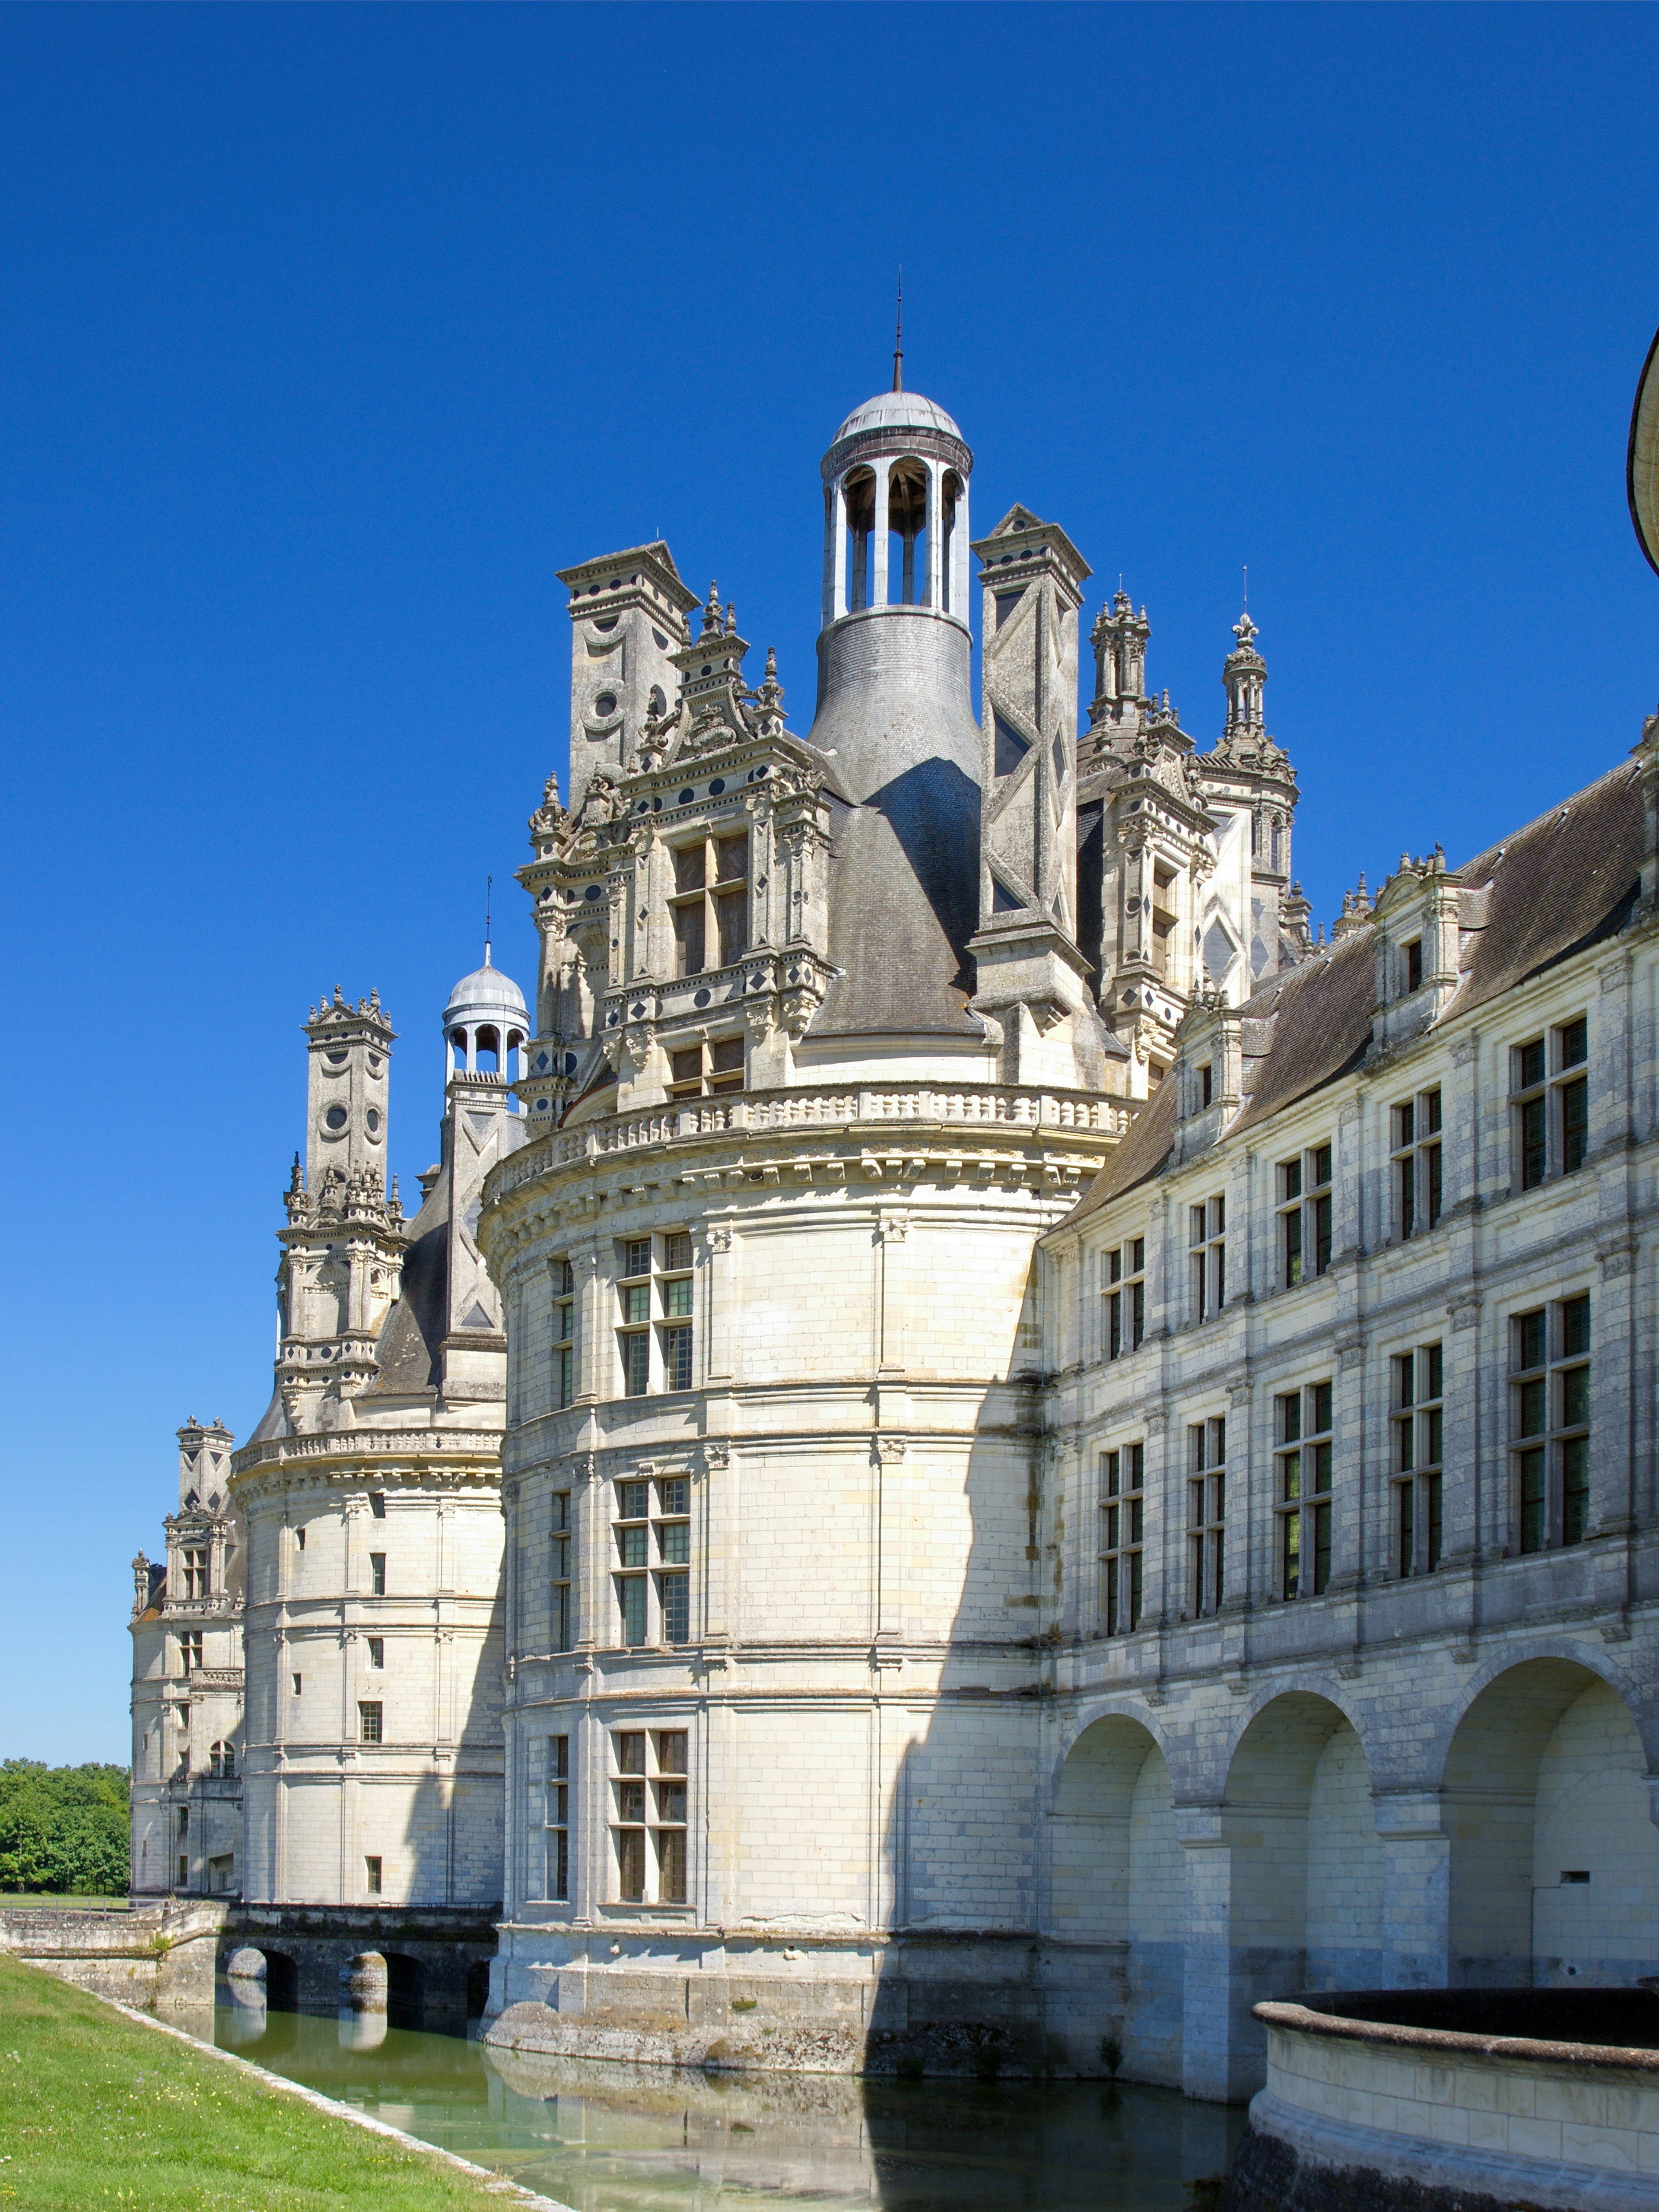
631 1864
1529 1065
673 1494
630 1545
630 1752
670 1751
1431 1105
1531 1469
1407 1178
1290 1562
1529 1338
687 1066
632 1500
1321 1547
674 1543
1431 1432
731 915
1290 1485
688 939
675 1591
1574 1124
1293 1248
731 859
1289 1179
1290 1417
1432 1498
676 1359
1575 1042
637 1363
1322 1405
1432 1166
1322 1165
671 1866
1530 1403
636 1302
1575 1489
689 864
1322 1212
1109 1467
1433 1367
1407 1533
636 1255
1575 1396
630 1592
676 1246
1575 1327
1534 1150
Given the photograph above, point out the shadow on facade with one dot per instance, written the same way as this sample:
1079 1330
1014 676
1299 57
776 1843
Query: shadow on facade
1083 1892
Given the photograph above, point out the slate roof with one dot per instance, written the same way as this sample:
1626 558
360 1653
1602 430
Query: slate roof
1564 882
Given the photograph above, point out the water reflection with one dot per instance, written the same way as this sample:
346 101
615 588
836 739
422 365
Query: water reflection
602 2137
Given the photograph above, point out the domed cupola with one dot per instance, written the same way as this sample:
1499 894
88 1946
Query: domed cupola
893 687
486 1016
895 510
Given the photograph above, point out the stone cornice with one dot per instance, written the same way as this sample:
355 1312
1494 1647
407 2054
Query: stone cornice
443 1456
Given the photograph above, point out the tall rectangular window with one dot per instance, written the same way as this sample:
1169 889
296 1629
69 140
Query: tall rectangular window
1206 1259
649 1783
673 1538
1122 1504
196 1571
377 1574
1206 1512
561 1622
373 1876
1123 1289
564 1333
1549 1422
558 1816
627 1832
370 1716
1304 1216
189 1651
1549 1103
634 1313
632 1532
376 1651
1418 1424
709 903
1302 1487
1417 1172
657 1288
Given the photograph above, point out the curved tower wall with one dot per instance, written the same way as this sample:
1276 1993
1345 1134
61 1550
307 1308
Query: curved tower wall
771 1458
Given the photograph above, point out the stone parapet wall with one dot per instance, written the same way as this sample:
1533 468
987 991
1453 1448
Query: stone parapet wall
1360 2115
159 1958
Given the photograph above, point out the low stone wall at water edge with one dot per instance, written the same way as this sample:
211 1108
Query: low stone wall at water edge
158 1958
436 1957
1456 2101
974 2006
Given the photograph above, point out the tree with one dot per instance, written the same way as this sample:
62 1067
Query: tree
63 1828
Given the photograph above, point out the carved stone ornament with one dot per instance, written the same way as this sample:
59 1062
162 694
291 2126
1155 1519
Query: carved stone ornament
889 1450
716 1456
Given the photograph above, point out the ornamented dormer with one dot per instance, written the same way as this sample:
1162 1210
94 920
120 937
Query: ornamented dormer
1257 925
1420 916
1031 974
344 1243
1208 1072
627 616
1144 851
682 904
203 1555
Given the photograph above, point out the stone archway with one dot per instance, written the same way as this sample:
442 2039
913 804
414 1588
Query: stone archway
1554 1874
1117 1891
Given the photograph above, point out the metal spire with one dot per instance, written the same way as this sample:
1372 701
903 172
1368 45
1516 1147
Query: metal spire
899 336
489 888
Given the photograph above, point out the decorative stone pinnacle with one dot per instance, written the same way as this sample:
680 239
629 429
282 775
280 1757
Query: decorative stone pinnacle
711 613
1244 629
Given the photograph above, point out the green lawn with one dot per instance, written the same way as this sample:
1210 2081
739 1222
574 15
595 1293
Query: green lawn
20 1900
95 2111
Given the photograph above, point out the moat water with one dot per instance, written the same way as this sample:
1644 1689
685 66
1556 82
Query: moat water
605 2138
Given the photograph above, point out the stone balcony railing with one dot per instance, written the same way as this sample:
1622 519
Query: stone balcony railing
956 1106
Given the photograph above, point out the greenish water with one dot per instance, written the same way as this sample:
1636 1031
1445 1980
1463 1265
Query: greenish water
607 2138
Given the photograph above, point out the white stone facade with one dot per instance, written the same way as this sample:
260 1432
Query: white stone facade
1070 1459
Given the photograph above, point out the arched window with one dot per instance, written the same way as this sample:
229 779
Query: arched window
906 527
221 1762
457 1050
859 500
487 1050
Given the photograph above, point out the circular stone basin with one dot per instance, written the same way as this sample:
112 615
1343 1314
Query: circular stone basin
1476 2100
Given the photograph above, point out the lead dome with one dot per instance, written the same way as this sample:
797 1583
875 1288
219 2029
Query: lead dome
486 1015
898 410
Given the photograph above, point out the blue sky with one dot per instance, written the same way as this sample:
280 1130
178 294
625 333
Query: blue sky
330 332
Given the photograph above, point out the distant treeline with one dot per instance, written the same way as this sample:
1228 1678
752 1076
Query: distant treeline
63 1828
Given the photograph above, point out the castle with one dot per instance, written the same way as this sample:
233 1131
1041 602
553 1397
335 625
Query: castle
980 1452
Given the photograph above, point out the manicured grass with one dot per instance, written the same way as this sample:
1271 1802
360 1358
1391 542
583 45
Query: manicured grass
19 1900
97 2112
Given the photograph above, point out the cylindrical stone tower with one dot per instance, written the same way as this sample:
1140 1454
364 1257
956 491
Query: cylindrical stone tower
771 1471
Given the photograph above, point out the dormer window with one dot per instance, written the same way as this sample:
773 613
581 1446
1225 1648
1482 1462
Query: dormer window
710 904
1413 953
1163 919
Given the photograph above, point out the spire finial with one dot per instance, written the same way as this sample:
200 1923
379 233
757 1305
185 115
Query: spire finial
898 336
489 899
1247 587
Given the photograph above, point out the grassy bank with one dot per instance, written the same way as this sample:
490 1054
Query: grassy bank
20 1900
97 2112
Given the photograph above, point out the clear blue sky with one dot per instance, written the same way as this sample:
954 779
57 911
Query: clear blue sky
332 332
